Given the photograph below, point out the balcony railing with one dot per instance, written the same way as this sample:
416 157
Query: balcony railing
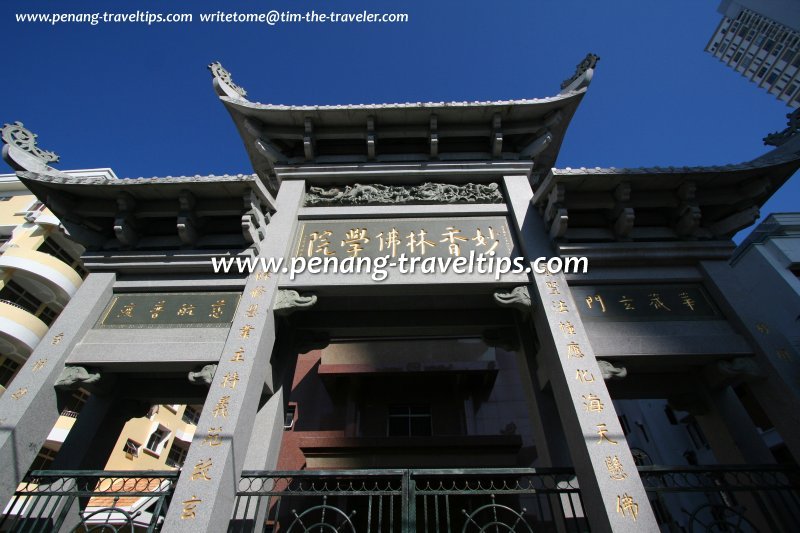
684 499
49 500
410 500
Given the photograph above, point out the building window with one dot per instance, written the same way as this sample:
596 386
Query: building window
288 417
157 439
43 460
177 454
14 292
47 315
51 247
75 403
191 415
409 420
131 448
8 369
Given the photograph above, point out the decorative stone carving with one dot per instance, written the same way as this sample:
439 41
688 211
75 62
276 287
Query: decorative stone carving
611 371
289 301
78 377
427 193
780 138
589 62
519 298
204 376
223 82
738 370
18 135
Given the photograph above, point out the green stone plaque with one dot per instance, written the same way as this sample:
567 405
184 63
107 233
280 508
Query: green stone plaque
644 302
414 237
170 310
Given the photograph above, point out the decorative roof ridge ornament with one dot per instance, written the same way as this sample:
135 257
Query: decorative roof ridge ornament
223 82
583 74
779 138
21 150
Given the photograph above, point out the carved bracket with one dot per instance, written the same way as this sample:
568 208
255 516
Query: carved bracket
732 372
79 377
204 376
289 301
519 298
611 371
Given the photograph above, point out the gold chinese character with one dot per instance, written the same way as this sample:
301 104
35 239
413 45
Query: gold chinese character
567 328
20 393
421 242
451 235
627 303
560 306
391 242
38 365
201 470
230 379
574 350
238 355
596 298
221 409
480 240
762 328
354 238
553 286
592 403
186 310
602 433
262 275
126 310
213 437
190 508
656 303
784 354
216 309
322 246
627 507
157 308
584 376
244 331
57 338
252 310
258 291
615 469
687 300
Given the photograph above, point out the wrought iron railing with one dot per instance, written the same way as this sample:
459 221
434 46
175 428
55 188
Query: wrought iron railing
86 501
724 498
406 501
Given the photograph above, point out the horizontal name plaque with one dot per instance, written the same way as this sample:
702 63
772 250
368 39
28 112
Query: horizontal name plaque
644 302
170 310
412 237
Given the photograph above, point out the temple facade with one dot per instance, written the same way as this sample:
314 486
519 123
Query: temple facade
629 396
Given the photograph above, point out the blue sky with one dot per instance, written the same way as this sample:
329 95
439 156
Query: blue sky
139 99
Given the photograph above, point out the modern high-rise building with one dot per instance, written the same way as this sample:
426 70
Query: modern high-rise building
760 39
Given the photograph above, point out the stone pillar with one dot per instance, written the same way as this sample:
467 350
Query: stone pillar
612 491
29 408
778 391
205 492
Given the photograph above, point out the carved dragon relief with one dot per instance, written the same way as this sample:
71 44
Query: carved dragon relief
427 193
